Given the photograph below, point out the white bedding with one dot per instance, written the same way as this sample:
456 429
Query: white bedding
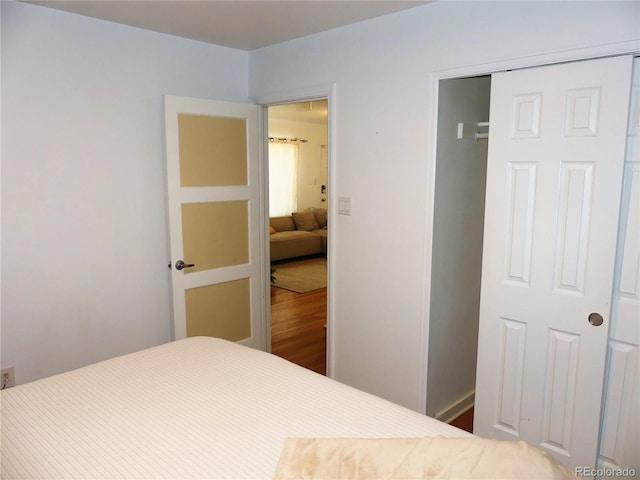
196 408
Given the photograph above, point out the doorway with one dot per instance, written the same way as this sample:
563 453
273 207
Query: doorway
298 200
461 166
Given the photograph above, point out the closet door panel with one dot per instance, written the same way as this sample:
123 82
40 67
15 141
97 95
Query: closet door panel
554 182
620 443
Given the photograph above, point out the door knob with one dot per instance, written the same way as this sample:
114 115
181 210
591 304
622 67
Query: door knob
181 265
595 319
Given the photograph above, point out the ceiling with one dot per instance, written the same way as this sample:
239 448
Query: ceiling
244 25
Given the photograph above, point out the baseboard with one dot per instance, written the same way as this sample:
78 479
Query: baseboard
457 408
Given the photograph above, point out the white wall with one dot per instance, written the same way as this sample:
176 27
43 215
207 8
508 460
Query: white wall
310 172
382 70
84 244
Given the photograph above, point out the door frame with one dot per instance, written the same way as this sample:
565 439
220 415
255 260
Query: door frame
474 70
326 91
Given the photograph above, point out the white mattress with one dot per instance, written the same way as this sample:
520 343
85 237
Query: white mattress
196 408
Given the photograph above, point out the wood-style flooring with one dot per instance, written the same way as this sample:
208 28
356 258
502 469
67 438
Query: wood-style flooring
464 421
298 331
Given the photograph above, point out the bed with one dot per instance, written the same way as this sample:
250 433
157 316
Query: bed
196 408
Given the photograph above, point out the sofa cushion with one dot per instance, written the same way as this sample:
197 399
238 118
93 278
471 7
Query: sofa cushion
305 220
282 224
321 216
291 235
296 243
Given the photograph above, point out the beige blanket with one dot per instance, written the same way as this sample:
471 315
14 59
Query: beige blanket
419 458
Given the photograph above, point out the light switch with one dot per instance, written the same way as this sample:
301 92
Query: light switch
344 205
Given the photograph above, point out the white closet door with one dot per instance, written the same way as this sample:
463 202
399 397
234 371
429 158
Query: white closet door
620 435
554 177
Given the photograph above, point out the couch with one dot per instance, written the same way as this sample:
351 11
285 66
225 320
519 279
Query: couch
299 234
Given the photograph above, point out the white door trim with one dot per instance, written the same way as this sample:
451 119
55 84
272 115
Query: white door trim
596 51
327 91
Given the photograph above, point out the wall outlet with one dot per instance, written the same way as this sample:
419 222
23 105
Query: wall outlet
6 378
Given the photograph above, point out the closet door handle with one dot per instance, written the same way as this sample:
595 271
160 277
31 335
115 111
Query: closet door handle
595 319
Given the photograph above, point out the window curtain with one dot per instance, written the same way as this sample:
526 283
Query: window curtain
283 179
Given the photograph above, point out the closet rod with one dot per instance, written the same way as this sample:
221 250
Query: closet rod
468 130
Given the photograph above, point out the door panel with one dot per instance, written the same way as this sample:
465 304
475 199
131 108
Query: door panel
217 234
554 177
214 192
220 310
620 443
213 150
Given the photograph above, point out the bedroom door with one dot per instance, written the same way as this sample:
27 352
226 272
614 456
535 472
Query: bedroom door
554 177
214 195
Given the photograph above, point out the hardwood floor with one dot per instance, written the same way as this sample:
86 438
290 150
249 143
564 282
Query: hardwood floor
464 421
298 331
